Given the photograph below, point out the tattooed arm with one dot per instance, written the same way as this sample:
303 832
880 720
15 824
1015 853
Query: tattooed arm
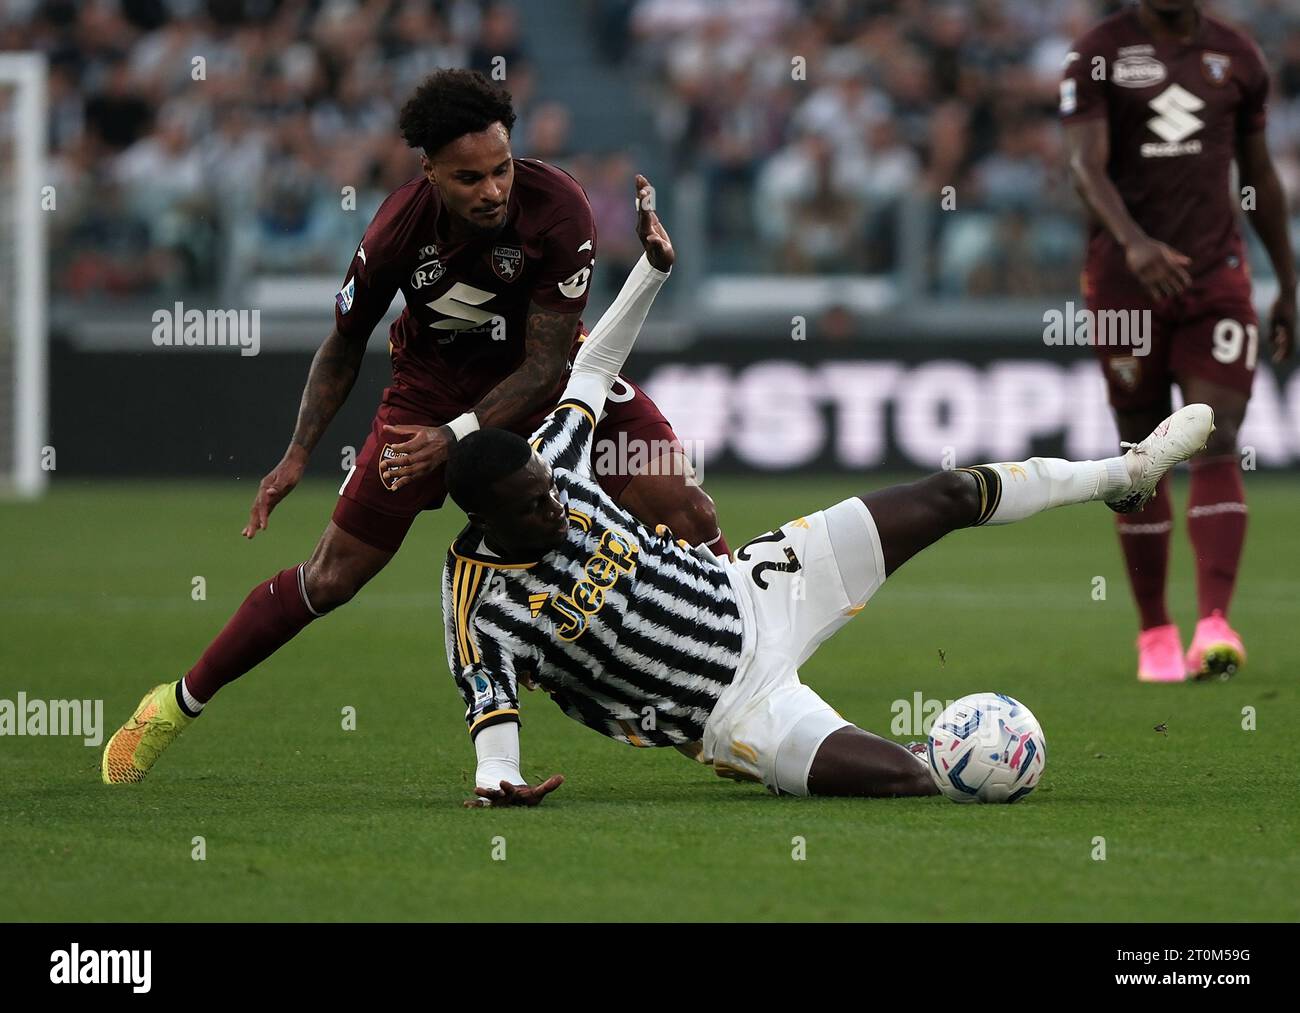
546 349
547 342
334 370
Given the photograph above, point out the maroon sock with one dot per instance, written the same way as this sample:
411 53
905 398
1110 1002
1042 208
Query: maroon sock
270 617
719 546
1216 522
1144 537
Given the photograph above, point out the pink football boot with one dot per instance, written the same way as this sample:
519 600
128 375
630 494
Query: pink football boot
1216 649
1160 655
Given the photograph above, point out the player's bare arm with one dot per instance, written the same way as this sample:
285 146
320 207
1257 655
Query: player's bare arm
547 341
546 347
1269 220
1160 268
333 373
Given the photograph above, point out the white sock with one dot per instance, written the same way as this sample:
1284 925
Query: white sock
191 704
1011 492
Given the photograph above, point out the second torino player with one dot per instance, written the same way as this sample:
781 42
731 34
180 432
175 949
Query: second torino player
1157 102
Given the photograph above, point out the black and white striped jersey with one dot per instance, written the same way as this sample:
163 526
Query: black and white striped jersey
630 631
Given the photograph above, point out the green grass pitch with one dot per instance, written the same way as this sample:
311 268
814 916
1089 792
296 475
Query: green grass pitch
305 820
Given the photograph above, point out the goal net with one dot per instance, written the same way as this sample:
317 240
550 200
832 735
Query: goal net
24 396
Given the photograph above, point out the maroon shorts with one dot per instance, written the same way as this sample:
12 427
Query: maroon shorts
367 509
1210 332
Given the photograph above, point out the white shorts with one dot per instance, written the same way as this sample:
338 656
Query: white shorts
796 586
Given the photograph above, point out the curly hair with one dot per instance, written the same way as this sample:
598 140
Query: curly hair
449 104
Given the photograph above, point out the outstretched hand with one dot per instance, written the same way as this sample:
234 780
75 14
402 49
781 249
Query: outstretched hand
650 230
281 481
514 794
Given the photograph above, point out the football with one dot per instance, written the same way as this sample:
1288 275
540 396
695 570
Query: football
986 747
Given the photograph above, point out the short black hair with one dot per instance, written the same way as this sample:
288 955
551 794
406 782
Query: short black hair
451 103
479 460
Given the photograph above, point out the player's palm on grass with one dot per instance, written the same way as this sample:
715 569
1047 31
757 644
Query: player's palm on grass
515 794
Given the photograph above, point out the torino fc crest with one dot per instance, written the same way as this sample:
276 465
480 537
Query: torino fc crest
1216 67
507 262
1127 370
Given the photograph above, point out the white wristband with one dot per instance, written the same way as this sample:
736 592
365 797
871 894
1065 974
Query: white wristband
463 425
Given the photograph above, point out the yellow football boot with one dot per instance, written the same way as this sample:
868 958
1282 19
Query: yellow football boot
135 747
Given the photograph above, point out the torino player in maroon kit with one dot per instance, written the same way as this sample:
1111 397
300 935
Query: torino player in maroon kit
494 257
1157 101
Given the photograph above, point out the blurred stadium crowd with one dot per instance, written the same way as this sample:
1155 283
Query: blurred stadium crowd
168 185
911 96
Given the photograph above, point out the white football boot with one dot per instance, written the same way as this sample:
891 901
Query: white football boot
1175 440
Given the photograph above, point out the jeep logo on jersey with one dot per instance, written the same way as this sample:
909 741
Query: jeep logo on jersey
428 274
615 558
1137 71
1175 123
507 262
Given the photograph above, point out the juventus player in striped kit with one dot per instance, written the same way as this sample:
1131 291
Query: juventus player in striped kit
646 639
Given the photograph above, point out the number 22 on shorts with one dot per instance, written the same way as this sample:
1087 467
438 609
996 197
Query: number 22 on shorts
791 564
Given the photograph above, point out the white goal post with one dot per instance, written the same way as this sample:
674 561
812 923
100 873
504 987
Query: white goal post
24 340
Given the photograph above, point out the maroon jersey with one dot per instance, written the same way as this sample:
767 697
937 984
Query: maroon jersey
462 330
1175 112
